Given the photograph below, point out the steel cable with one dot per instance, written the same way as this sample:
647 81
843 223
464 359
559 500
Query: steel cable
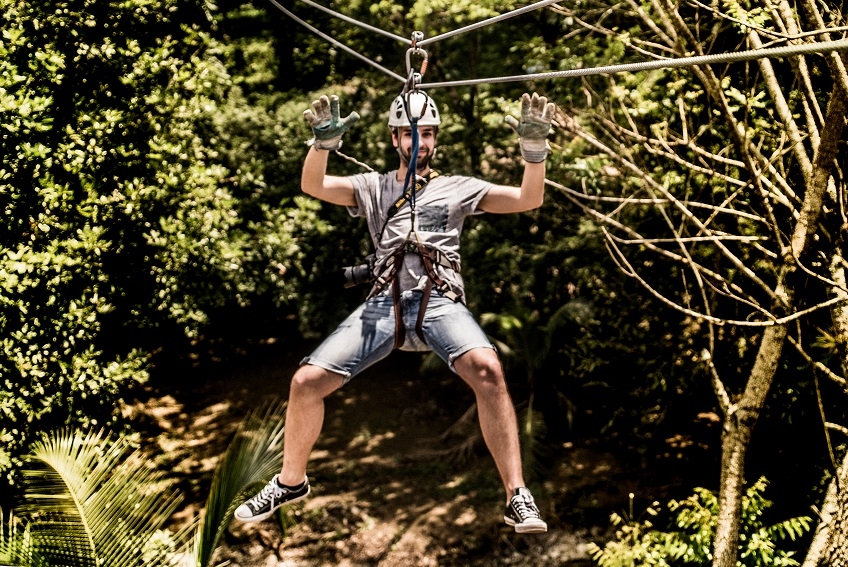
776 52
492 20
337 43
357 22
495 19
665 63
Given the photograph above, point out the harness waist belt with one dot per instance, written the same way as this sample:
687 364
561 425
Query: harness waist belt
431 258
436 256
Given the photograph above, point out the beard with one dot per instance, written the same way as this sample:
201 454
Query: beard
423 161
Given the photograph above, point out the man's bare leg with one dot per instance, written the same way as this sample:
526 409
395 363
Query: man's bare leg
481 369
305 418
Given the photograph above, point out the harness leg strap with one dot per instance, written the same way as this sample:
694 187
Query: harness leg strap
400 329
422 310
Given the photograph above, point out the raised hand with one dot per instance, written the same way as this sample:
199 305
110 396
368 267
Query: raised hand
327 127
536 116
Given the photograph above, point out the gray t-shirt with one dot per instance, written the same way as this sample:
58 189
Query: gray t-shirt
440 209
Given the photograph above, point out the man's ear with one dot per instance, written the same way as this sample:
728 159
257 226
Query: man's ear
395 137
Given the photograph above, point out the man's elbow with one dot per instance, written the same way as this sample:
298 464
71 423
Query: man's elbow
309 189
536 203
531 203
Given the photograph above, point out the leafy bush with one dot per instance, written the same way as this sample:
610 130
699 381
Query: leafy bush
90 499
128 218
639 543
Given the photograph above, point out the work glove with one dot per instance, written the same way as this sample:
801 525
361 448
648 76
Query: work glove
536 116
327 127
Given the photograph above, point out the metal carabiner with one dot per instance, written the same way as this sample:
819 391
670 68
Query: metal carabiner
416 51
412 82
416 37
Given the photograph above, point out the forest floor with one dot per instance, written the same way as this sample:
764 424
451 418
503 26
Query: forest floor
387 488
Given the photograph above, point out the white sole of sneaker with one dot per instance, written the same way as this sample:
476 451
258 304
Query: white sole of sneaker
527 528
270 513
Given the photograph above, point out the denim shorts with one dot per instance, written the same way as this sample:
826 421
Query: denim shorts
368 334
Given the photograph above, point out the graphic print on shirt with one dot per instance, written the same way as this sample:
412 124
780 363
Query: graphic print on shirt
433 218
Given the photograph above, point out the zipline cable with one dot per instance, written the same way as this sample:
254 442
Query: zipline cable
357 22
492 20
419 43
666 63
776 52
337 43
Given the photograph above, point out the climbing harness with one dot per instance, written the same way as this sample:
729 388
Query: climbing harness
431 258
410 109
386 274
407 195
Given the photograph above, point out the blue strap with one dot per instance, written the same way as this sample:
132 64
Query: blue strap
412 171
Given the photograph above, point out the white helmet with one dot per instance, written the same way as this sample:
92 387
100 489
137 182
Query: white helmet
416 102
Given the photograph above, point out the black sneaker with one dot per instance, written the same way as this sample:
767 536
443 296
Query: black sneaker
269 499
522 513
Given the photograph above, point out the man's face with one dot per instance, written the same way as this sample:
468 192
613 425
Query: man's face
402 140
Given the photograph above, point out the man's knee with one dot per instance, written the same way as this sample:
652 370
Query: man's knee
314 381
482 369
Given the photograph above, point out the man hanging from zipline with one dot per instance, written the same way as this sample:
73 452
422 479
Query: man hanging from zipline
417 300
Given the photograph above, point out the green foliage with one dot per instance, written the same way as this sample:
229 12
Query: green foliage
16 544
692 534
91 500
88 502
443 16
253 456
137 203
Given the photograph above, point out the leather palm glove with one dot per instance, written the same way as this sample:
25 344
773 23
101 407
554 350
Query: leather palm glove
536 116
327 126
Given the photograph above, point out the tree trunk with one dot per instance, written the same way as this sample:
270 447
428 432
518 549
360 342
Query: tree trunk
830 543
836 554
741 417
738 426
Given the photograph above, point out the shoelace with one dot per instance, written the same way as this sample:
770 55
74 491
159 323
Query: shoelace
525 507
265 495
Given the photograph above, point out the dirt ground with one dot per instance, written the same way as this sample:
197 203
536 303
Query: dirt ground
387 488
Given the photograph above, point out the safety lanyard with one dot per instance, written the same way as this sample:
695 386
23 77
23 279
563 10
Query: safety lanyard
411 172
412 184
408 196
411 192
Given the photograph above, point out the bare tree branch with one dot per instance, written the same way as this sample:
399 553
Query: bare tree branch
650 184
776 92
835 378
718 386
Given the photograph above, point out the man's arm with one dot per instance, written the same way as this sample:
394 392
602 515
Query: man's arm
315 182
327 129
536 116
506 199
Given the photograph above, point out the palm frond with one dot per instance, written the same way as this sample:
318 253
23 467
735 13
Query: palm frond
16 544
88 504
253 456
532 432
